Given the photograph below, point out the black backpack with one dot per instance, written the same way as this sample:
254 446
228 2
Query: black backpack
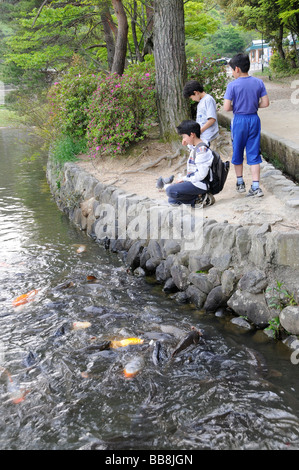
220 171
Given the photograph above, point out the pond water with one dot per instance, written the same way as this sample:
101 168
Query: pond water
63 388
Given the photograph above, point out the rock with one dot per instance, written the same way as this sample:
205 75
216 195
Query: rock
180 275
199 263
201 281
289 319
154 250
161 275
144 256
139 272
133 256
86 206
214 276
222 262
215 299
291 342
196 296
171 247
252 306
253 281
242 323
170 286
228 280
152 264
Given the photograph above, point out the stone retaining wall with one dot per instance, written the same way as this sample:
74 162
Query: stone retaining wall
212 265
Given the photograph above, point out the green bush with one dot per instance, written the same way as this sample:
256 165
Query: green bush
121 110
69 100
66 148
282 67
211 75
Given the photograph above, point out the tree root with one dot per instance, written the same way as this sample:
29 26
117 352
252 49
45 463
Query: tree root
147 166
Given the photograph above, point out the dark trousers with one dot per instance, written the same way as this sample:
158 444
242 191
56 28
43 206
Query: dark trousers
183 193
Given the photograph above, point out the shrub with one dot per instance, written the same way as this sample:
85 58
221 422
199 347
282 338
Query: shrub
282 67
211 75
66 148
121 110
69 100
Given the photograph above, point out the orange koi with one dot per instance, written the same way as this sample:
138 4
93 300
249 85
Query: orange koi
126 342
24 298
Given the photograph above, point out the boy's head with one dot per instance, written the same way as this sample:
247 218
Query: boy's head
192 90
241 61
189 130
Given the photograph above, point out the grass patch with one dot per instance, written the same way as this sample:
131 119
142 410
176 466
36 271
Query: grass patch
66 149
9 118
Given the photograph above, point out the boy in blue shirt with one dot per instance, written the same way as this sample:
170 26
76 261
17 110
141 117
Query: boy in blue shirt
244 96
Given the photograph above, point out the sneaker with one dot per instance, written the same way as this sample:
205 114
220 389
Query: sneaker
209 199
199 202
240 188
255 192
205 200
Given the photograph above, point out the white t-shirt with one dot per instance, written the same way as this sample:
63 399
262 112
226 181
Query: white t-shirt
206 109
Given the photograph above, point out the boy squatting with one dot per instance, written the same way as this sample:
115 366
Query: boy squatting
193 188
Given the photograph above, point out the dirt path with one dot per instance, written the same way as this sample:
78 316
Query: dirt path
281 118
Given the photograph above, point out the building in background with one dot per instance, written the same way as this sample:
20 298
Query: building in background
259 54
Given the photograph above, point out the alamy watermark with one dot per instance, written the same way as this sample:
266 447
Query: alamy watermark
127 220
295 93
295 353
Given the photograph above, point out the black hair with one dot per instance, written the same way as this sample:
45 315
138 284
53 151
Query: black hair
240 60
191 87
188 126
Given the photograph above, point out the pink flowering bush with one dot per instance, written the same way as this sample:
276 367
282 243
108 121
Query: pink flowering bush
121 110
69 100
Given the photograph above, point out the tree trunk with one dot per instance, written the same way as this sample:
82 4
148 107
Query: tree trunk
170 63
134 34
279 43
119 60
108 27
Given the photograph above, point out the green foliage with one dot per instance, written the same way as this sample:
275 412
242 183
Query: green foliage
121 110
67 148
69 99
47 39
282 67
212 76
280 297
226 41
274 327
108 110
198 24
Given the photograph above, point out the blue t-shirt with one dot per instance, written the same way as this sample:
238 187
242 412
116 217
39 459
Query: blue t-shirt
245 93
